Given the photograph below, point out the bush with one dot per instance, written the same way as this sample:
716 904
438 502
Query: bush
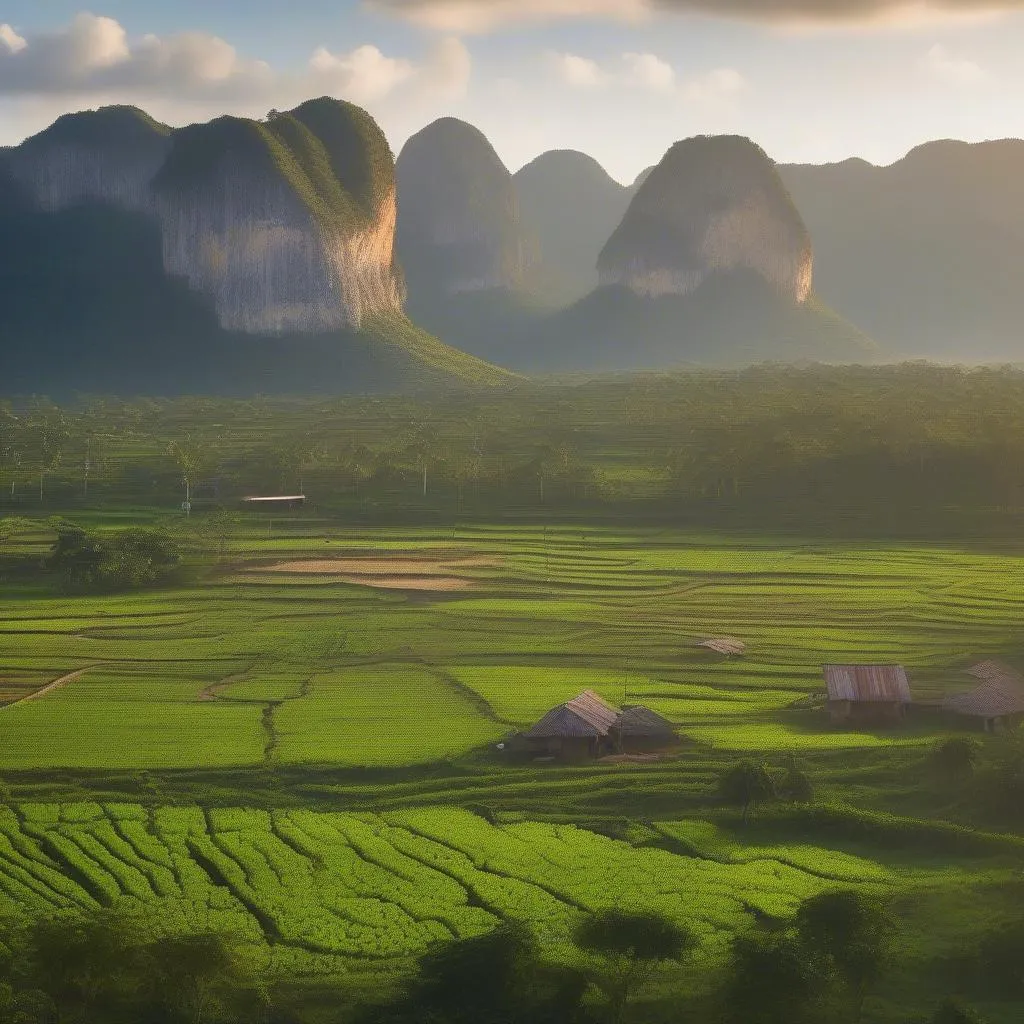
956 756
127 560
952 1011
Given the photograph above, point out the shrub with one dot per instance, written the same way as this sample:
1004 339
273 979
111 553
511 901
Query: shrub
956 756
124 561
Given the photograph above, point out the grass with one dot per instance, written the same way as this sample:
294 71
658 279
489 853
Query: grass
364 677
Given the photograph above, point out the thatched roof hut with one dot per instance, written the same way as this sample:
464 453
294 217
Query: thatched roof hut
997 703
588 725
728 645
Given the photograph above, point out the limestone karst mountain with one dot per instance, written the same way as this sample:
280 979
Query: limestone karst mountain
711 263
713 204
924 253
280 230
461 242
569 207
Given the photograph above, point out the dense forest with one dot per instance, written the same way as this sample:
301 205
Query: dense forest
899 447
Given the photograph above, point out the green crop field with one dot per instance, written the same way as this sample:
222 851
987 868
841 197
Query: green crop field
254 665
308 759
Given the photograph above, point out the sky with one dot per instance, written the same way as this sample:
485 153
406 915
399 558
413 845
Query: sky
812 81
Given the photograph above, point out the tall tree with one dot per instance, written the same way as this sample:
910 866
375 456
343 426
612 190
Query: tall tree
745 785
631 946
189 455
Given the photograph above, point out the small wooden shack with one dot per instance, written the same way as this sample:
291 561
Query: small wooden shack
575 730
640 730
588 726
997 704
874 694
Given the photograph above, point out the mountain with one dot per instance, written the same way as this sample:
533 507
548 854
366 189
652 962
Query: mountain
231 255
569 205
711 263
460 240
924 253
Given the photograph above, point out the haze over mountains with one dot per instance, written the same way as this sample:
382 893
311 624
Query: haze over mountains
295 253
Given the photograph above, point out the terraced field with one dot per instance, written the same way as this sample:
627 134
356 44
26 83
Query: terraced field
303 667
318 892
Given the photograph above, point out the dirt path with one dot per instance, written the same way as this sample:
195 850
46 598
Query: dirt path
56 684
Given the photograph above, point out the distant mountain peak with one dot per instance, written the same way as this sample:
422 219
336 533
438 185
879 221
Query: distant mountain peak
713 204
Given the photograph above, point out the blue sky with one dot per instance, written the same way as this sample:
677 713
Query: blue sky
810 80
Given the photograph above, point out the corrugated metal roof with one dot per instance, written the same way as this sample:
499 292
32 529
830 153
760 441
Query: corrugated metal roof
637 720
884 683
1000 693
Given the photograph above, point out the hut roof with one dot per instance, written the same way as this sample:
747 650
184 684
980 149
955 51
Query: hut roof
585 715
637 720
881 683
724 644
1001 692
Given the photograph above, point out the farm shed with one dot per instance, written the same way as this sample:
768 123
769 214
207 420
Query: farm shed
867 693
997 703
588 726
640 729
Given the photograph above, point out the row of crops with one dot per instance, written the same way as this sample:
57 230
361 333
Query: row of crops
319 892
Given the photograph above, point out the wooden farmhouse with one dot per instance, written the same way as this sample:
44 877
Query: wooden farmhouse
996 704
867 693
588 726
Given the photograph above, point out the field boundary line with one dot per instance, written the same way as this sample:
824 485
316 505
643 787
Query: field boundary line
55 684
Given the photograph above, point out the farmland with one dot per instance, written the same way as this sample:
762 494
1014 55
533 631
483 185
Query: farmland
279 746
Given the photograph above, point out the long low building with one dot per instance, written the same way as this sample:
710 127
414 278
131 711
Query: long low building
588 726
867 693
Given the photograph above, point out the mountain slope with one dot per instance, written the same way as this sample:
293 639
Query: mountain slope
569 206
711 263
925 253
229 256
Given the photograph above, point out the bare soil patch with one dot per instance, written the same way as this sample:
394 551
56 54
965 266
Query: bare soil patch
388 573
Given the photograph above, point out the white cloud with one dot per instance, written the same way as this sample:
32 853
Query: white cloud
92 58
649 72
467 17
717 85
577 72
941 64
470 16
364 75
10 40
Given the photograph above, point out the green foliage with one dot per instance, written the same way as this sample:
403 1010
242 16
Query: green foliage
631 945
847 935
953 1011
127 560
795 786
1001 959
745 785
955 757
771 981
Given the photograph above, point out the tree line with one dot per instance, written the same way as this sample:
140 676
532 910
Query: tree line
820 967
769 440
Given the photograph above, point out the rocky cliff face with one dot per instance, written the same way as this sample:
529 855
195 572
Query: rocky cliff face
458 215
713 204
108 155
286 225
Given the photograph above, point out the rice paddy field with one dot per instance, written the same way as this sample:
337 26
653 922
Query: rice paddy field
301 745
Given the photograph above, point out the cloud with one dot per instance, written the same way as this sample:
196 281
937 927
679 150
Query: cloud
474 16
93 57
941 64
578 72
647 72
714 86
468 17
